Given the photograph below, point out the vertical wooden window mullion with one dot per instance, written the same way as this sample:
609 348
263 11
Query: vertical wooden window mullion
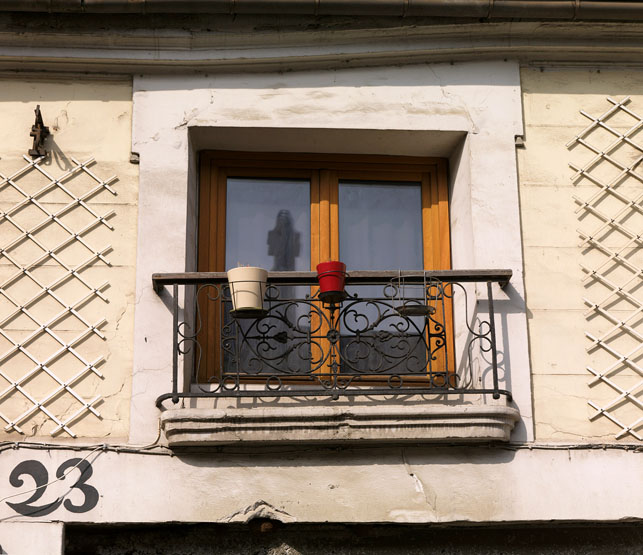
203 262
324 216
328 240
315 224
215 366
333 199
443 215
444 261
211 253
315 249
437 252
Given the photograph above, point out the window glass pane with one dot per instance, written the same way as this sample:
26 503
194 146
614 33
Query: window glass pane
380 228
268 224
380 225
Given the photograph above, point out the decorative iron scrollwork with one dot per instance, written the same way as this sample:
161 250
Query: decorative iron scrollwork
303 346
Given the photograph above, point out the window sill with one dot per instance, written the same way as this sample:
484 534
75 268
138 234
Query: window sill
460 423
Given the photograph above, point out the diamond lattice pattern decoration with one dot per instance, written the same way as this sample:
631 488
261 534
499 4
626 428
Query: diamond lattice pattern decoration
611 216
48 294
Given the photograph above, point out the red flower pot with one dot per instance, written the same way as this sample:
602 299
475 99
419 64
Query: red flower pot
331 276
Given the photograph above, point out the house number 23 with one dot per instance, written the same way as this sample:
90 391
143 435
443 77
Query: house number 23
39 473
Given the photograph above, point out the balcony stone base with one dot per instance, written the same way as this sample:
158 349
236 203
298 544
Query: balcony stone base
188 427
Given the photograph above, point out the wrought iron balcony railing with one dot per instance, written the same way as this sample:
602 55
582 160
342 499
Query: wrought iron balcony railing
394 334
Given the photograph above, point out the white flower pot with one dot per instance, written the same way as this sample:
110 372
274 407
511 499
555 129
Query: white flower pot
247 288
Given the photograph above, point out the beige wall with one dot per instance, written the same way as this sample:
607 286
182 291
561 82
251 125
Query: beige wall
558 316
88 118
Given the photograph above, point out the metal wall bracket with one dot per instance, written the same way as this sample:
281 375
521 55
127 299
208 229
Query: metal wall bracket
39 133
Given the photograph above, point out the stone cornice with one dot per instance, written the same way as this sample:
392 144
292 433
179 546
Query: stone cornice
239 48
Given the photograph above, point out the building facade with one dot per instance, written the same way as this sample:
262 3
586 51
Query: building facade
485 154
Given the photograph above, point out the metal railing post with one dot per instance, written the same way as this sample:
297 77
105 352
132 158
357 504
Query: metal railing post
175 343
494 353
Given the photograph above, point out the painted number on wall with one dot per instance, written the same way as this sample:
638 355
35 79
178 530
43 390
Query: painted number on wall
39 473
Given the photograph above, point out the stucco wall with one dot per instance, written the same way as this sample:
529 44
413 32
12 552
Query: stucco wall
415 110
87 118
414 484
554 219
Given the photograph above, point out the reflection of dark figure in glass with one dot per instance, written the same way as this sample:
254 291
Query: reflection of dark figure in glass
284 245
283 242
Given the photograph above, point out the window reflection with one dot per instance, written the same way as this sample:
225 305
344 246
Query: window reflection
268 225
283 242
380 228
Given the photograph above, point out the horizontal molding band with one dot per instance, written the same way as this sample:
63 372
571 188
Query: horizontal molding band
533 9
137 51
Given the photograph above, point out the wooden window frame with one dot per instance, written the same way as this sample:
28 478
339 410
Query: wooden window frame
324 171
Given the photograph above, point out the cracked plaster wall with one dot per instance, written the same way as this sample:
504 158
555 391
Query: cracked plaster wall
87 118
412 110
410 485
552 102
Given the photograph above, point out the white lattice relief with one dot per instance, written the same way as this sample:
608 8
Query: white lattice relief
47 276
612 237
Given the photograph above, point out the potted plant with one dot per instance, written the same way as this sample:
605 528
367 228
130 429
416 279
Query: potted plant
331 276
247 290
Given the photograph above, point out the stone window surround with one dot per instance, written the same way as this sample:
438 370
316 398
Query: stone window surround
464 145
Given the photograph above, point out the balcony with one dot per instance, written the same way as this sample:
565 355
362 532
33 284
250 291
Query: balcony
406 356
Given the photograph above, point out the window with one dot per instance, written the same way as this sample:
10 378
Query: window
288 212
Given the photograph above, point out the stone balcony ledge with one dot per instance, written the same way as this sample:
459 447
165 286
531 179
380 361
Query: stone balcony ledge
460 423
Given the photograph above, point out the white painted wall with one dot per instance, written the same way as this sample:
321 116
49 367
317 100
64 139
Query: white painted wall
414 484
418 110
30 538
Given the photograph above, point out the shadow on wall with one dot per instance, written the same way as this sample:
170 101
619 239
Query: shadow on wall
58 90
585 82
463 74
297 456
56 156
